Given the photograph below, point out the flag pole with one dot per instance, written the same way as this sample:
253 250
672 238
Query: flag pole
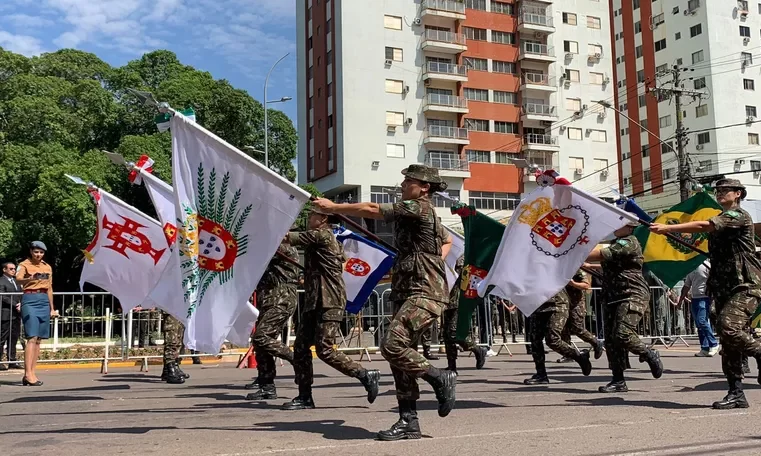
363 230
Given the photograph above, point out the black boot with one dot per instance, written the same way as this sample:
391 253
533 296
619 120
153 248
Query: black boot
735 398
184 375
746 366
253 385
599 347
452 364
617 385
480 354
173 374
264 393
584 362
370 380
564 359
443 383
537 379
196 359
653 359
428 355
407 427
302 401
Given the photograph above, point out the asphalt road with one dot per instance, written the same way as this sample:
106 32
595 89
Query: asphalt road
81 412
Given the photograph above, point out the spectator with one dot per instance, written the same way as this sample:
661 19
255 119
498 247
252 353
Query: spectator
695 287
659 293
10 315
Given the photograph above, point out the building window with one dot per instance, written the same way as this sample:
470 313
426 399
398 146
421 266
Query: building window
330 121
645 151
749 84
382 195
667 147
394 54
505 97
510 128
697 57
750 111
571 46
643 126
330 57
494 201
576 164
747 58
638 51
573 104
668 173
598 136
637 27
477 34
641 76
745 31
601 164
395 119
700 83
596 78
678 35
476 94
504 158
502 37
569 18
477 124
635 4
664 121
477 64
660 45
701 110
704 138
593 22
594 49
395 150
478 156
692 5
394 86
329 26
696 30
658 20
310 72
440 201
502 8
498 66
572 75
753 139
310 42
476 4
575 134
641 100
646 175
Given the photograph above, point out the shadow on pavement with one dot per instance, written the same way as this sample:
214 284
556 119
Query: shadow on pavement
33 399
94 430
615 401
330 429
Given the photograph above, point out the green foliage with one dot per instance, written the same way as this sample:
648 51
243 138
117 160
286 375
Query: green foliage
301 222
59 110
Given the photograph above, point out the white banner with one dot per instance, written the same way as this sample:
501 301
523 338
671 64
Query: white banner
457 250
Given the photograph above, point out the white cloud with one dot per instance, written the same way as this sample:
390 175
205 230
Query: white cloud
22 21
21 44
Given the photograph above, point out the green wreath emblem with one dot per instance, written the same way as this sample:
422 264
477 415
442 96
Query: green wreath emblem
694 239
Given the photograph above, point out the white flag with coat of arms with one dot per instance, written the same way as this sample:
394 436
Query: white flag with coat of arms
366 264
232 213
456 251
548 238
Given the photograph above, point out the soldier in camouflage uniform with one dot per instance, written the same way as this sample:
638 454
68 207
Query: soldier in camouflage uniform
734 282
276 301
451 342
173 334
425 341
323 312
418 292
577 312
626 295
549 321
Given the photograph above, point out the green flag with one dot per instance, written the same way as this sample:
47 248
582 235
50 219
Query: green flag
668 259
162 120
483 235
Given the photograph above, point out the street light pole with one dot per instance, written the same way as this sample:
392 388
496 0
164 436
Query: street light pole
266 124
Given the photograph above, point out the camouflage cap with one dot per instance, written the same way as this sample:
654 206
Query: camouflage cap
423 173
729 183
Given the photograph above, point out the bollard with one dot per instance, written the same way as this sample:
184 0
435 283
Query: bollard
55 335
104 366
129 330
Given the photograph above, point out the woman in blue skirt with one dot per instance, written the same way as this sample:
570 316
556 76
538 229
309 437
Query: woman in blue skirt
36 277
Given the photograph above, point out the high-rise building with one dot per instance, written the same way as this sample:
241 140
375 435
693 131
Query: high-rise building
477 88
713 43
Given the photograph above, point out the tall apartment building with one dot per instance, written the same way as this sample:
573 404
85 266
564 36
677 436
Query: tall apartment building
465 86
715 43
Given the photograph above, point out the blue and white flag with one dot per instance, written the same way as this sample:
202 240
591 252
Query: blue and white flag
366 264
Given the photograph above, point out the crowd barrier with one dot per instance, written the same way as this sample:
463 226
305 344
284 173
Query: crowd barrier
95 321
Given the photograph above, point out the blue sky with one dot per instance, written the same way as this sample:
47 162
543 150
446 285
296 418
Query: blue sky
237 40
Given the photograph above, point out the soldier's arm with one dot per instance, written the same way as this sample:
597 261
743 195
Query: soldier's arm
305 238
446 243
699 226
595 256
584 284
364 210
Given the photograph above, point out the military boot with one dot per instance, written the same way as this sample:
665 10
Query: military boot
599 347
196 359
302 401
653 359
480 354
253 385
584 362
264 393
370 380
537 379
746 366
184 375
407 427
428 355
735 398
173 374
758 361
443 383
452 364
617 385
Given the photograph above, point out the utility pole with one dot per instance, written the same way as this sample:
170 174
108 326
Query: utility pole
677 91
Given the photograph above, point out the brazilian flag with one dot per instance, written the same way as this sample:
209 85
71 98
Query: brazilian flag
668 259
483 235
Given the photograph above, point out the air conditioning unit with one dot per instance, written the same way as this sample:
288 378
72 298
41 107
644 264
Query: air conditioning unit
569 55
405 90
601 115
699 147
567 83
389 62
391 128
746 40
417 21
744 64
545 123
750 119
604 173
578 171
408 121
606 80
584 107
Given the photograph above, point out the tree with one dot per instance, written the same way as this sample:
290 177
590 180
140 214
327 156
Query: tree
301 222
59 110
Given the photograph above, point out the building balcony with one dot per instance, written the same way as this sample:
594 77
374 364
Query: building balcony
448 164
436 134
445 103
445 72
536 111
443 42
538 163
452 9
538 81
537 52
534 142
535 20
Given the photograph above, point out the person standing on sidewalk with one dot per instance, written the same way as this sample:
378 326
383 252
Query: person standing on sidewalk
10 315
695 288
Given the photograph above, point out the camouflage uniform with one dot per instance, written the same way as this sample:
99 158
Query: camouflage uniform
449 318
548 323
734 283
173 343
626 295
577 312
322 314
276 297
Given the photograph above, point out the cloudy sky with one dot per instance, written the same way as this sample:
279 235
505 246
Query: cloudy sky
237 40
